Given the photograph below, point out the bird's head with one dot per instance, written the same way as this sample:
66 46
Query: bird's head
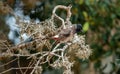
78 28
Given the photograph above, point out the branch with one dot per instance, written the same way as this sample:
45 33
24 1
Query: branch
68 14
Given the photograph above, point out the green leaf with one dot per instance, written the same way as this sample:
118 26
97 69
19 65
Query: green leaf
86 26
81 2
108 53
97 64
87 2
118 61
85 14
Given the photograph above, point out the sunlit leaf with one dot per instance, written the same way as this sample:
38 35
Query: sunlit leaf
86 26
81 2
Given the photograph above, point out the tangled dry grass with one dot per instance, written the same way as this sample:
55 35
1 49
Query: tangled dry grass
41 49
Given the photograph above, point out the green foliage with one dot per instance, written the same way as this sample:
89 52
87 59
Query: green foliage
86 26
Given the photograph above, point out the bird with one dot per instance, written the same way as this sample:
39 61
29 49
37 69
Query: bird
66 35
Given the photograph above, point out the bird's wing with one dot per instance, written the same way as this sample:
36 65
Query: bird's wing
65 32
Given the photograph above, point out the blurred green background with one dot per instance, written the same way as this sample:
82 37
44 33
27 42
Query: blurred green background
101 25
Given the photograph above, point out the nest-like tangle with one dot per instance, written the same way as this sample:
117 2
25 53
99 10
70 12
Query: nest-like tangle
42 49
